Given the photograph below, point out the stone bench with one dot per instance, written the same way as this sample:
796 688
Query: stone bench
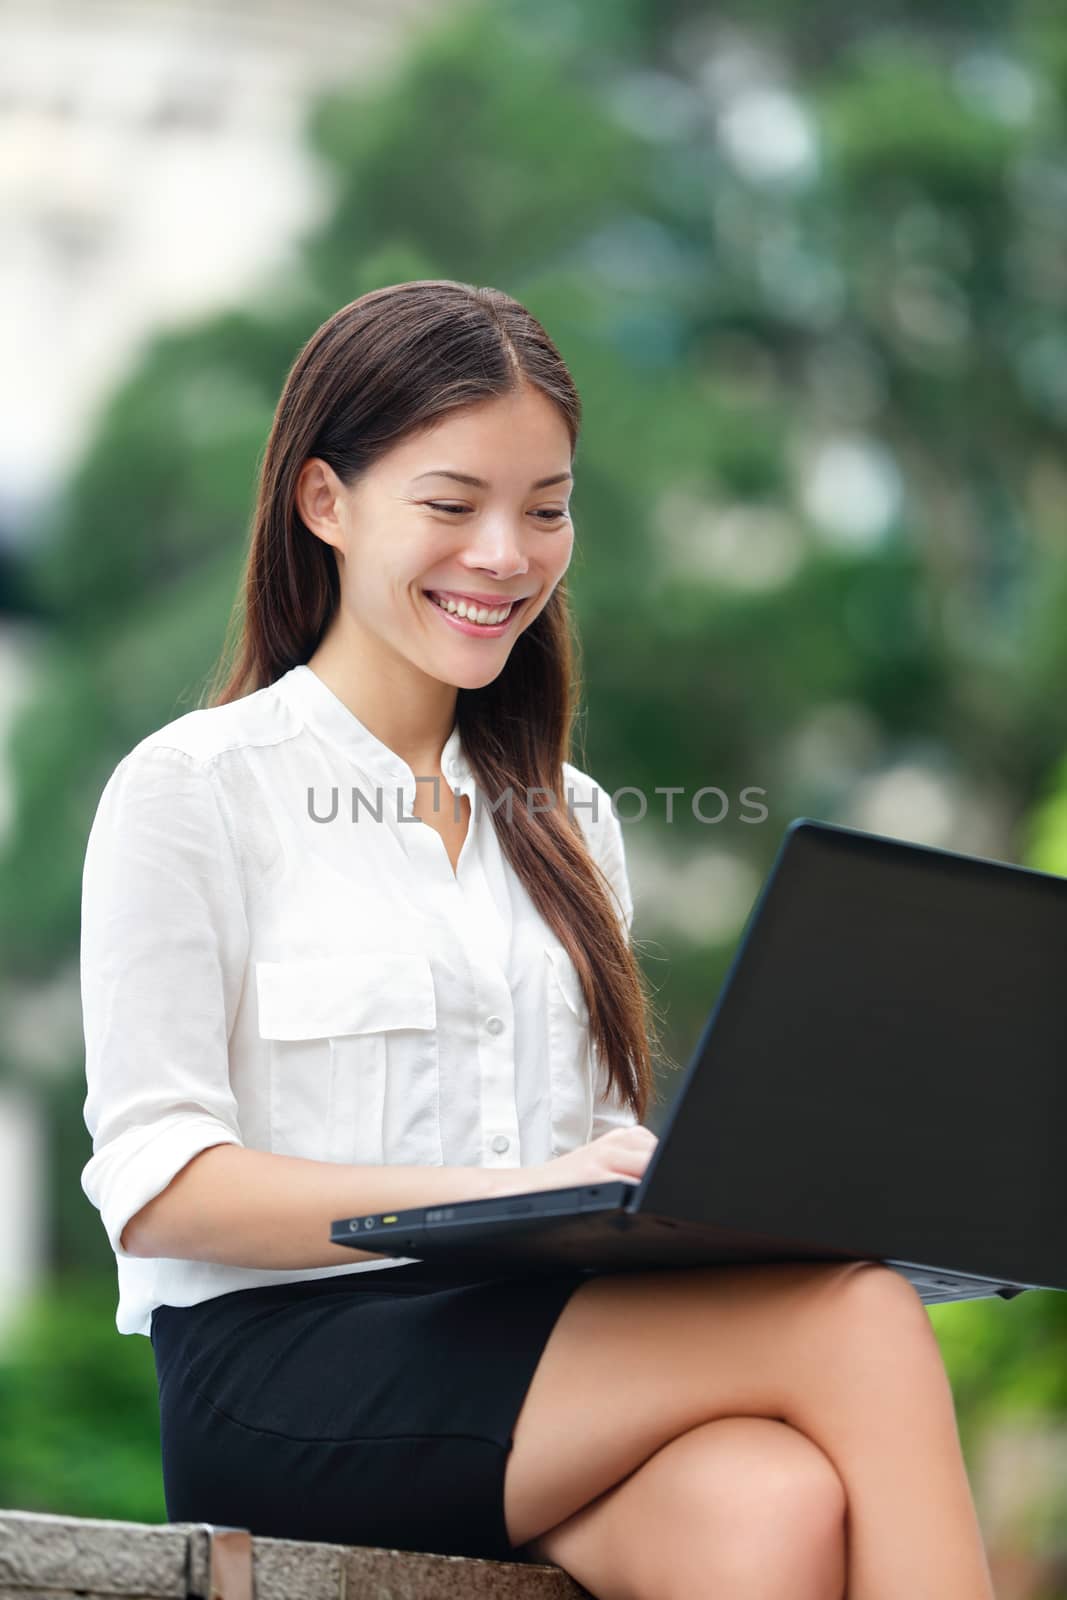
44 1557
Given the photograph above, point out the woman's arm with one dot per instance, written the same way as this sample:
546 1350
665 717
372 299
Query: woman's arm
251 1208
164 943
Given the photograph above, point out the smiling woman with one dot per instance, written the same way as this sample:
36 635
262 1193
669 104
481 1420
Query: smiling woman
488 566
290 1020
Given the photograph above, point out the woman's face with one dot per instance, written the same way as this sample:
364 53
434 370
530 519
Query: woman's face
408 531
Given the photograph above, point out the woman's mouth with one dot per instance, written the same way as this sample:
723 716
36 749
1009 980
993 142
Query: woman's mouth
474 620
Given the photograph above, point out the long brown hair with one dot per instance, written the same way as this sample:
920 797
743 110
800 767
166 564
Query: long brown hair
385 366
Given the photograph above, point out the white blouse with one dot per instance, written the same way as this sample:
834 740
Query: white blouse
259 969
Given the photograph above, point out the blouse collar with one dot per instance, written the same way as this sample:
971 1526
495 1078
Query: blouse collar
333 720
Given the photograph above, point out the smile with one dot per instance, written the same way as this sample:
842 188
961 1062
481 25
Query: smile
474 619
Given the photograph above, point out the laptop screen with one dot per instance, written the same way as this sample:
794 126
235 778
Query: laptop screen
887 1064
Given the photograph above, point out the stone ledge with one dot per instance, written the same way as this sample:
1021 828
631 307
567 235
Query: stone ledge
46 1557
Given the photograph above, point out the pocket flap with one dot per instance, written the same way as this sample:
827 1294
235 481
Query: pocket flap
566 975
361 993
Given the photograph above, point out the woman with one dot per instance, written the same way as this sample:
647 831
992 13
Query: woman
317 984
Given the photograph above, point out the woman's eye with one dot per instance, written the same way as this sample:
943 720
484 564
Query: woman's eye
543 516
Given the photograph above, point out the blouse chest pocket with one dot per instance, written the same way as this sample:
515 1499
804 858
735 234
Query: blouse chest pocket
570 1060
353 1056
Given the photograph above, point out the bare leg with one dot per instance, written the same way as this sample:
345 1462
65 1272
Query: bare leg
844 1354
738 1509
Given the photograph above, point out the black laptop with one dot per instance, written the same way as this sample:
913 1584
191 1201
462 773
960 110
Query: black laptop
883 1077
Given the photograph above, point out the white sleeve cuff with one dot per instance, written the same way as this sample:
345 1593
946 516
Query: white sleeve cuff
133 1168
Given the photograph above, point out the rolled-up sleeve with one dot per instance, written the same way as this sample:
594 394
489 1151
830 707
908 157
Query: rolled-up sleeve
612 860
164 942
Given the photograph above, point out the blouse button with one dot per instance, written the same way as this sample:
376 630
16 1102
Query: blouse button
500 1143
495 1024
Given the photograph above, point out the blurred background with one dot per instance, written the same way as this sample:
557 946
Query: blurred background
808 264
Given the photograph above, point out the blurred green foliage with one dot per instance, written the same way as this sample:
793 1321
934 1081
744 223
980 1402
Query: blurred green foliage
894 285
1005 1358
81 1415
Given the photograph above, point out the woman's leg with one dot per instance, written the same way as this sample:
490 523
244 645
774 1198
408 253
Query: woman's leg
742 1508
845 1354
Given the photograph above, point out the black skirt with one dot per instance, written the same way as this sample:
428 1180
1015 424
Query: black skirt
370 1408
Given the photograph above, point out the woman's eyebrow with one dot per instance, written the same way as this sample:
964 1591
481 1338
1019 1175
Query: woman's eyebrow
480 483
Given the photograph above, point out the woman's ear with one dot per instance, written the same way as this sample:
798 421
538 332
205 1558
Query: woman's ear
318 496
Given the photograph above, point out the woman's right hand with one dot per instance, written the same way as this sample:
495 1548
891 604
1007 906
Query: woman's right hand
620 1153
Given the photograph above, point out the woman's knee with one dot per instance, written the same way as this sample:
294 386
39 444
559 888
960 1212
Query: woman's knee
762 1472
881 1301
751 1500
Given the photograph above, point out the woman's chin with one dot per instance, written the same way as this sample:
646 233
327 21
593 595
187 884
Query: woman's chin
465 675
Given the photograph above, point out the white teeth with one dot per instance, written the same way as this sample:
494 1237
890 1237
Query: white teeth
472 612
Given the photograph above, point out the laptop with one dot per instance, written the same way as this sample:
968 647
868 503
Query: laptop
883 1076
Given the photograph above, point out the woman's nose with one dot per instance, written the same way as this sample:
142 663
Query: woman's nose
496 547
